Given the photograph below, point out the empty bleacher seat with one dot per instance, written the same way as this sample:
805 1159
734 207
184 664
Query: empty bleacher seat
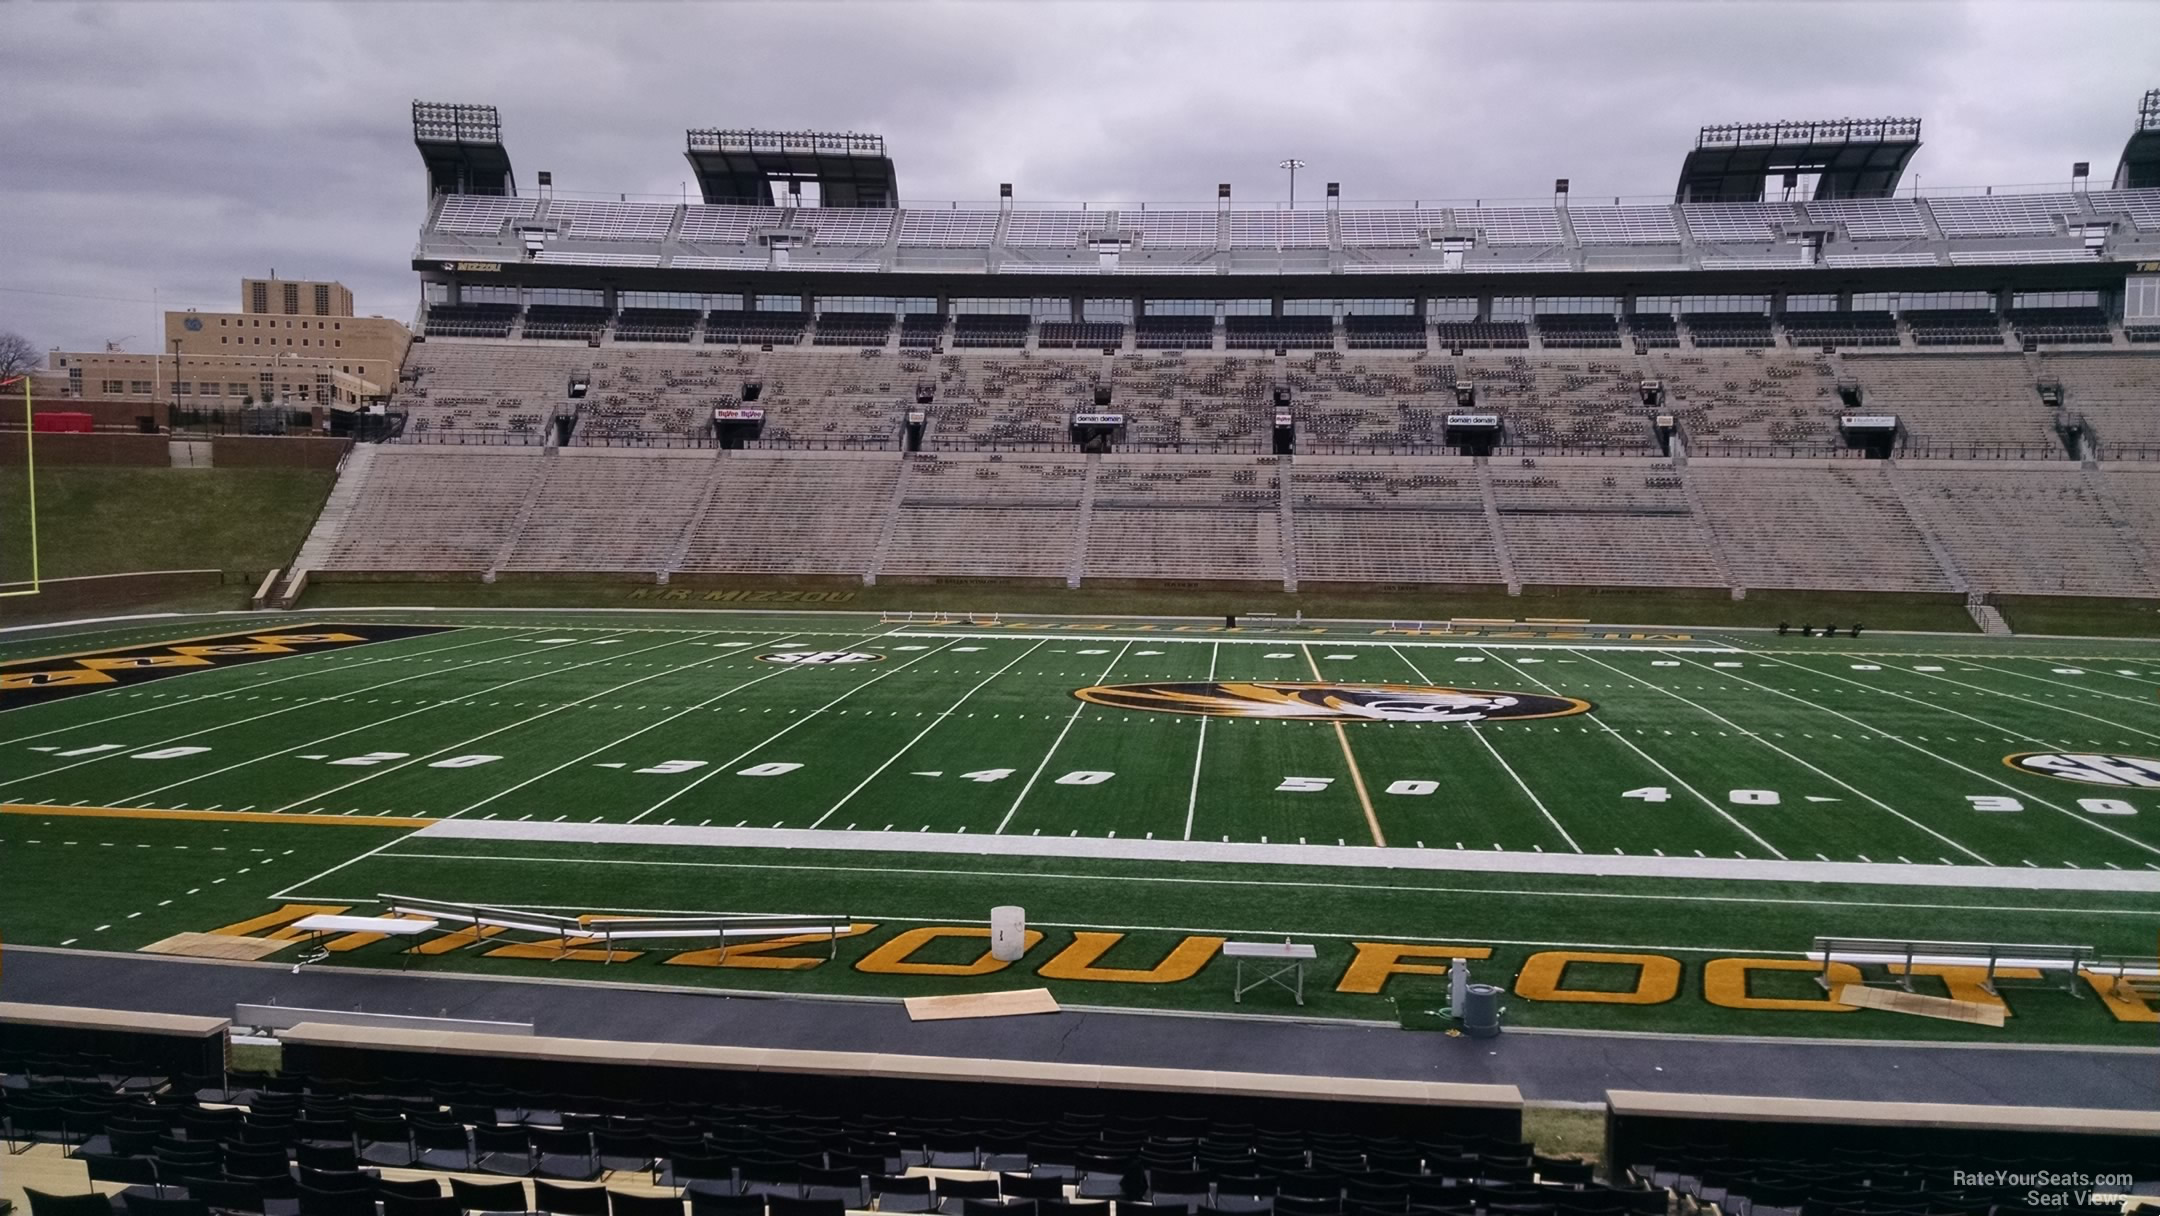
1483 335
990 329
1578 331
1383 332
1064 334
1840 328
1743 329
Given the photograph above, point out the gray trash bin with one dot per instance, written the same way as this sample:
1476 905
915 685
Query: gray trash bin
1481 1011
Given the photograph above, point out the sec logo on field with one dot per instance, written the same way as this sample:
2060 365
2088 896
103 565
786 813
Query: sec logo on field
2134 772
821 657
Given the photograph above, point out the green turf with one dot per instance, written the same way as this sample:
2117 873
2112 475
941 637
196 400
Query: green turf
1809 750
110 520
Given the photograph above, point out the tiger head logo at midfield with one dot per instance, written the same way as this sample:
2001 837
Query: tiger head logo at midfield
1330 702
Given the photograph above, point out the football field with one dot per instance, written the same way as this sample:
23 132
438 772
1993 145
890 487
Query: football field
1628 828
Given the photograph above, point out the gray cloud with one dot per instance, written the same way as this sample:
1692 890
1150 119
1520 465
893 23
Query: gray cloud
177 146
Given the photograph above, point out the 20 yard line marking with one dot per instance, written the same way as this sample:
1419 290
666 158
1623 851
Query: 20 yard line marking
2018 790
935 722
725 765
1357 779
1055 743
1671 776
1479 735
1192 797
1757 736
306 704
248 688
738 648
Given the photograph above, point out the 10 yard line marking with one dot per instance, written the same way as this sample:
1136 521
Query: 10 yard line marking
246 688
1479 735
1671 776
273 713
1055 743
935 722
1745 733
1946 760
1192 798
1357 779
724 765
479 692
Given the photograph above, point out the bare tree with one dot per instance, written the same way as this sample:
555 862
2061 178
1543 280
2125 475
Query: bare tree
17 355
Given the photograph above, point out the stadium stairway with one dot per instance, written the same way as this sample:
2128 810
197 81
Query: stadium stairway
1288 524
1718 557
1986 616
330 523
1941 553
889 523
517 525
680 550
1076 566
1492 525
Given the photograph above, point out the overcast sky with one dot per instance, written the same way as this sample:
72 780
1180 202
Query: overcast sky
171 147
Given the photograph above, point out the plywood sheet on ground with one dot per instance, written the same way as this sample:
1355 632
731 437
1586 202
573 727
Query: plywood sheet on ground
981 1005
216 945
1892 1000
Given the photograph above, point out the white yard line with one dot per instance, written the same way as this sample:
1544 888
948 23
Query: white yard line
1323 636
247 688
1520 784
1127 848
1818 771
1993 692
936 721
429 708
2020 791
306 704
1670 775
725 765
1079 709
613 743
1192 797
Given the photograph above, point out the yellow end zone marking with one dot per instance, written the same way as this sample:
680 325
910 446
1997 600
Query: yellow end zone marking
130 812
1372 819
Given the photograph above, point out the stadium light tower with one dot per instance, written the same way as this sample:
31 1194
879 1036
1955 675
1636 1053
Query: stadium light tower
1293 164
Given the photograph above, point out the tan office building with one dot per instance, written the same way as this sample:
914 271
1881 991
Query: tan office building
294 343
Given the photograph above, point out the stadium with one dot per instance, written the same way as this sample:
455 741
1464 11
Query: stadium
795 701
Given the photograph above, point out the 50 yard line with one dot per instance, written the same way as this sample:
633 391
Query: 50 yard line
1357 779
1192 797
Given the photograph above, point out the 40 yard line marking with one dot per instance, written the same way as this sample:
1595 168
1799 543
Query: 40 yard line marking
935 722
725 765
273 713
1671 776
1192 797
1749 734
1055 743
245 688
1357 779
1991 780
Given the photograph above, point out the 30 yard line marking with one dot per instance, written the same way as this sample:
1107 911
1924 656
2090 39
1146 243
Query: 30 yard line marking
1192 797
1758 737
1990 779
478 692
1357 779
1054 744
311 702
738 648
1509 769
249 688
726 765
1671 776
935 721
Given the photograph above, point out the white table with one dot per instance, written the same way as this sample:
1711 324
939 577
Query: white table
322 924
1291 955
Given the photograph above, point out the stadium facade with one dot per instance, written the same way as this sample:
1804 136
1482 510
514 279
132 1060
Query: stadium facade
1954 391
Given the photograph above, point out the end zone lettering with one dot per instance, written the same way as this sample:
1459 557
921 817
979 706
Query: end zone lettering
32 681
740 596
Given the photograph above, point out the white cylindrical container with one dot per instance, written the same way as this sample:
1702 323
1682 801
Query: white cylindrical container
1008 933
